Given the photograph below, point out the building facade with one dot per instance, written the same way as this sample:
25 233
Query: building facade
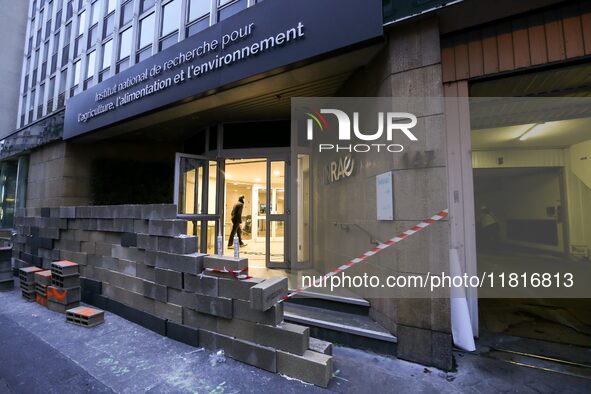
188 102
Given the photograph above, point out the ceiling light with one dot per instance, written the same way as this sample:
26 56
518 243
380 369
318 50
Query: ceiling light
228 175
276 172
532 131
257 179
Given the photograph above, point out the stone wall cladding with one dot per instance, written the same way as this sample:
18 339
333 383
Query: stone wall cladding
146 269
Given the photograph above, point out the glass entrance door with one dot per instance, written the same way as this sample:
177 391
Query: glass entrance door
258 185
196 198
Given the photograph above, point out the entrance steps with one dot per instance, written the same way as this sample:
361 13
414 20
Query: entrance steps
339 320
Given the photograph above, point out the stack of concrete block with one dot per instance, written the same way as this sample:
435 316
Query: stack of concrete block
137 262
6 277
64 292
27 282
85 316
42 280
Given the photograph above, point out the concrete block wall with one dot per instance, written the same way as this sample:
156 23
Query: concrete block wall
136 261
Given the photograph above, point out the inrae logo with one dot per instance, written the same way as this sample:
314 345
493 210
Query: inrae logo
389 122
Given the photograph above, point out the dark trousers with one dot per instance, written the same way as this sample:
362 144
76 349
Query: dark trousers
235 230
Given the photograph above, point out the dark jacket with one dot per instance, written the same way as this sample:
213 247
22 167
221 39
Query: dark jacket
237 212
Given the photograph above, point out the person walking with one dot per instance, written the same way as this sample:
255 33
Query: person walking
236 217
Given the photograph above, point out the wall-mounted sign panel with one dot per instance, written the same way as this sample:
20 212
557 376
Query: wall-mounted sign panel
261 38
384 196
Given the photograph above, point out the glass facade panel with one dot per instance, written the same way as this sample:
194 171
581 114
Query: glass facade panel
90 64
198 8
171 16
107 54
146 35
125 44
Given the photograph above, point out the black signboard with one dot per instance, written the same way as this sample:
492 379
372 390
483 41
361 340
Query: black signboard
266 36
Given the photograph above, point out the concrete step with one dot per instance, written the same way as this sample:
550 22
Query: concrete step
349 329
356 306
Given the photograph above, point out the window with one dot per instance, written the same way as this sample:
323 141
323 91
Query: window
50 94
146 31
107 54
125 44
91 58
92 36
47 28
81 22
147 4
126 13
58 19
197 26
63 80
171 15
108 25
77 72
230 9
168 41
94 12
198 8
78 46
111 6
69 10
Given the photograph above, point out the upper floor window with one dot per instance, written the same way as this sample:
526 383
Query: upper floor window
125 44
147 4
171 15
198 8
126 12
146 35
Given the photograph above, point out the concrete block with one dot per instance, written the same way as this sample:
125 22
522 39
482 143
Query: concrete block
64 268
203 284
131 254
288 337
216 306
127 267
190 263
76 257
227 262
169 278
134 300
88 248
155 291
196 319
67 212
42 277
65 281
110 263
311 367
272 316
6 285
168 311
140 226
267 293
61 308
147 242
183 298
236 328
167 228
185 244
27 274
150 258
237 289
159 211
254 354
213 341
182 333
63 295
414 344
441 350
145 272
129 240
6 275
320 346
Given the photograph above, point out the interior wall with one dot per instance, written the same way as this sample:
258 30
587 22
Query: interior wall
579 195
521 196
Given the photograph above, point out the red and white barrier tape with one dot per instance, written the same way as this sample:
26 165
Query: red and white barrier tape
238 274
392 241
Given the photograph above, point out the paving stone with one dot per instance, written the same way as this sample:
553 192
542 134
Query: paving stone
216 306
311 367
272 316
267 293
203 284
227 262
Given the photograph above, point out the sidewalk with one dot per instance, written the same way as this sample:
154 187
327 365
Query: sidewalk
40 352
